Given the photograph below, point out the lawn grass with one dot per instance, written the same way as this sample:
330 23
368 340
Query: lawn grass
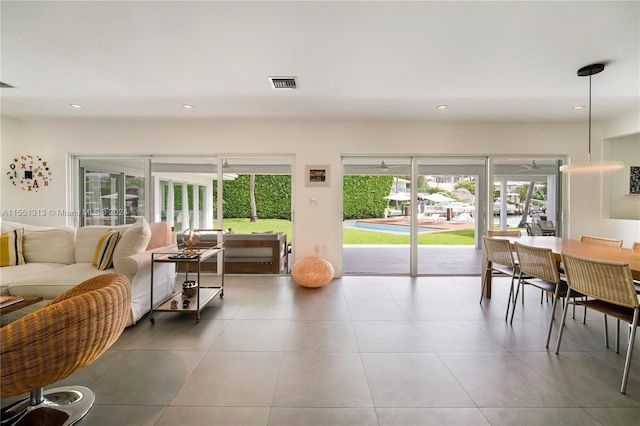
355 236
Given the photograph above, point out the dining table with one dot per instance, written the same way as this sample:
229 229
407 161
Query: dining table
573 247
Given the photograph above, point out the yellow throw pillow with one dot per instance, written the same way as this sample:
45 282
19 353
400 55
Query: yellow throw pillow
11 248
103 255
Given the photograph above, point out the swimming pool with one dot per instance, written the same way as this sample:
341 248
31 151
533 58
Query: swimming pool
387 227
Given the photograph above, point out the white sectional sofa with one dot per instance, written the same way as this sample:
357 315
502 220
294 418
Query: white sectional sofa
58 258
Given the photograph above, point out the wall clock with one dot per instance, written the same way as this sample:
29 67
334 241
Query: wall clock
29 173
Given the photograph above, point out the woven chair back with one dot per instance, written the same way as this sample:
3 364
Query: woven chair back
69 333
538 262
599 240
607 281
498 251
636 245
504 233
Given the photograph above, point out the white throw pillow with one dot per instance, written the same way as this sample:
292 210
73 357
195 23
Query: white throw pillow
87 240
134 240
53 245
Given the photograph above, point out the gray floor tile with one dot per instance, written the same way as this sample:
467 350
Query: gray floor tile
232 379
322 416
539 416
412 380
389 336
321 336
387 350
253 335
313 379
214 416
431 417
503 380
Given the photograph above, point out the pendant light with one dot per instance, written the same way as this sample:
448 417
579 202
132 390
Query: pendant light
591 166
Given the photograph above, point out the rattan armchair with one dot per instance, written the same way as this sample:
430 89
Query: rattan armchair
52 343
500 260
609 289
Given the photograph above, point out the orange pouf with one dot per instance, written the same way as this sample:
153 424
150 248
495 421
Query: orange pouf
312 272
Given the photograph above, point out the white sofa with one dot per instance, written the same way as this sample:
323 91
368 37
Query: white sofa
58 258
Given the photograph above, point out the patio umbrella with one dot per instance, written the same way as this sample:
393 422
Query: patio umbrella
439 198
398 197
401 196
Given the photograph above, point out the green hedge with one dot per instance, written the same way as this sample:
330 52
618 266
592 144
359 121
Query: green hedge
272 192
363 196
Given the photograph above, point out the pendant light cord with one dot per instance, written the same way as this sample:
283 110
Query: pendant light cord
589 158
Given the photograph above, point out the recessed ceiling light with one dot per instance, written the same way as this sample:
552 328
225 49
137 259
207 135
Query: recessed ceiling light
78 106
187 106
578 107
442 106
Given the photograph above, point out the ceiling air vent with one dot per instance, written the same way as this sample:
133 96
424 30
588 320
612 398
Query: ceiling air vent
284 83
4 85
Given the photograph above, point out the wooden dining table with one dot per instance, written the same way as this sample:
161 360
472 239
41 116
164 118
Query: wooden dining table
573 247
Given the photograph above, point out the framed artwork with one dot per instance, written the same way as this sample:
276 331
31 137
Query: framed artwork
634 180
317 175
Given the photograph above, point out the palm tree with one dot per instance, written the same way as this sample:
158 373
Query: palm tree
252 196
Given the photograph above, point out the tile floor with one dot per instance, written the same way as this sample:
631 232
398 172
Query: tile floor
363 350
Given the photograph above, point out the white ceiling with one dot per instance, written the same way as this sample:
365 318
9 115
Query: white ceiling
360 60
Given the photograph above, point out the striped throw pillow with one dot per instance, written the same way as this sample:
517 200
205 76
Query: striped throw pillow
11 248
103 255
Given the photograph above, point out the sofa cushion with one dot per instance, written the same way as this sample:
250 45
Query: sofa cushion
52 283
160 235
134 240
50 245
103 252
16 273
11 248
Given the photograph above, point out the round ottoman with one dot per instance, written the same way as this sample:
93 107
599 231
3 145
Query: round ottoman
312 272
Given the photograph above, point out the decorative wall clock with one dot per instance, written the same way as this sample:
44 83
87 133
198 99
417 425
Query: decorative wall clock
29 173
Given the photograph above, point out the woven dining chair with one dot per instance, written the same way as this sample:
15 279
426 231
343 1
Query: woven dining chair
52 343
500 260
609 289
539 268
635 245
599 240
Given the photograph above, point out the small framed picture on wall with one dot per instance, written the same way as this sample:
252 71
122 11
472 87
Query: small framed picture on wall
317 175
634 180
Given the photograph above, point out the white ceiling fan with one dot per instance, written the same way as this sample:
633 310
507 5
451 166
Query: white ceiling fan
381 167
533 167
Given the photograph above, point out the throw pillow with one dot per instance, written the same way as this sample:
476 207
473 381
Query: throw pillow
103 255
11 248
134 240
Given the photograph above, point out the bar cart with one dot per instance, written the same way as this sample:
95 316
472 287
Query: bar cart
193 297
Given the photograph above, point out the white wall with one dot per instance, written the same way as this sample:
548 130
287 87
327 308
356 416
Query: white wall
312 142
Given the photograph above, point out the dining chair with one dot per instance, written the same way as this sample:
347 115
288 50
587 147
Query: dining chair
599 240
539 268
499 260
635 245
533 229
609 289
